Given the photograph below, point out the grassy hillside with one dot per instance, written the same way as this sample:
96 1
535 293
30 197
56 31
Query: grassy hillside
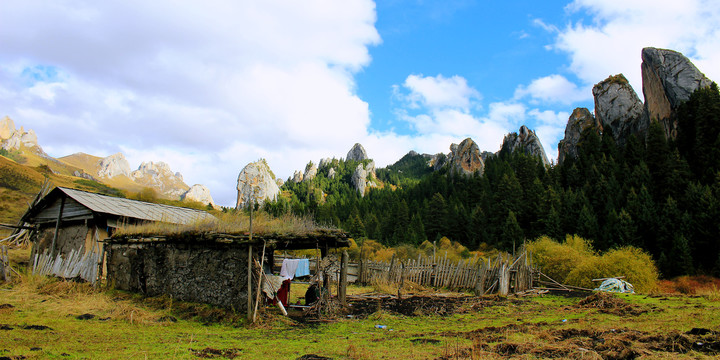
88 163
20 183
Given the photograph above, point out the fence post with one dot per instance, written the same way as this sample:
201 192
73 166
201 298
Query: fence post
343 279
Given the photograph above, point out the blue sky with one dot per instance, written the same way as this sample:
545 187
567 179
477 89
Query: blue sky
208 88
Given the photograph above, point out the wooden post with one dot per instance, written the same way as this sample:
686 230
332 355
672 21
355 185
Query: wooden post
57 225
257 297
249 284
342 291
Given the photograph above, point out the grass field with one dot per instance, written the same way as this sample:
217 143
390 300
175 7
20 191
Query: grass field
43 318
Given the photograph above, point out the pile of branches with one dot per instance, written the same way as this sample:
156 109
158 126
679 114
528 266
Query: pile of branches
325 309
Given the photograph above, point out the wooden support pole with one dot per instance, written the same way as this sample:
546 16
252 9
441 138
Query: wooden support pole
259 286
342 291
249 284
57 225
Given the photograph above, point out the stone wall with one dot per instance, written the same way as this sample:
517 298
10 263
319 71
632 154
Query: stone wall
209 273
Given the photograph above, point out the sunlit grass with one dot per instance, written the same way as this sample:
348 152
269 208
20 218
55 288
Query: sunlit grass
230 223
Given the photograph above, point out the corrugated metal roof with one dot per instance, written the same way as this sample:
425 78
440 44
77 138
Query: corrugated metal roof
135 209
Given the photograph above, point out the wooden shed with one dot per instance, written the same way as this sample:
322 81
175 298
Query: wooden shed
74 220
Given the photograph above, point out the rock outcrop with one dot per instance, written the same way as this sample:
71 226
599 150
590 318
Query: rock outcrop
357 153
13 139
359 179
7 128
580 120
157 175
332 173
297 177
310 172
526 141
618 108
113 165
256 183
199 193
669 78
464 158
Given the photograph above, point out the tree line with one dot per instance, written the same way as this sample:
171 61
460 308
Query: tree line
653 193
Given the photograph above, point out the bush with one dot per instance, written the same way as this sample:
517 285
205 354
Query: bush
575 263
557 260
636 265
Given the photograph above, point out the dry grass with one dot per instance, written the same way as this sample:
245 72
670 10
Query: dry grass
230 223
702 285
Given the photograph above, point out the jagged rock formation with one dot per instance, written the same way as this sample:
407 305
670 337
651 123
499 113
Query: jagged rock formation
617 107
324 162
359 179
13 139
524 140
669 78
310 172
7 127
256 183
199 193
113 165
84 175
332 173
297 177
157 175
465 158
357 153
580 120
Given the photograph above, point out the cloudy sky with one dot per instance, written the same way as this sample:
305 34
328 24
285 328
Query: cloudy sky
210 86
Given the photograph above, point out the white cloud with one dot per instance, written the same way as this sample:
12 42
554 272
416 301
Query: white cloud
206 88
553 89
438 92
619 30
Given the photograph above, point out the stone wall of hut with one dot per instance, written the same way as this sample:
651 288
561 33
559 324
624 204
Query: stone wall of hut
212 273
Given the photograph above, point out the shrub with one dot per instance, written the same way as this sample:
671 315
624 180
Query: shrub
633 263
555 259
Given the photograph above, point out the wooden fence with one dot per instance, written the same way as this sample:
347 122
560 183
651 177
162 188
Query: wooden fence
502 275
74 266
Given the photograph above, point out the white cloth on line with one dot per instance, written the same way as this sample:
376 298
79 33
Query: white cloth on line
289 266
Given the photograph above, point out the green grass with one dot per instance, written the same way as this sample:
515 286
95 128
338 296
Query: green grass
137 327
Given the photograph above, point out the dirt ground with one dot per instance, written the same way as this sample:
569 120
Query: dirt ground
546 340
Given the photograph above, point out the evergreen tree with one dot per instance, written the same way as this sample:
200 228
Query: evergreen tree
512 234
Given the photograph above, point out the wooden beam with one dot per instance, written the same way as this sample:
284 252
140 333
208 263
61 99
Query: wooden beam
342 286
57 225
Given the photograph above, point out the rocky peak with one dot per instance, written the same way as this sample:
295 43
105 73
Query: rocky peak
297 177
669 78
465 158
159 176
13 139
617 107
580 120
113 165
7 128
310 172
524 140
357 153
256 183
199 193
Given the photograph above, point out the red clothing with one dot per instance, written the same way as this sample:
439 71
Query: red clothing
283 292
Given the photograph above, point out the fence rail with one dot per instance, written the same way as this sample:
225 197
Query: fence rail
502 275
74 266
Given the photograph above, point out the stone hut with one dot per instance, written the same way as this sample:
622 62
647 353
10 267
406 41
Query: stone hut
206 267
